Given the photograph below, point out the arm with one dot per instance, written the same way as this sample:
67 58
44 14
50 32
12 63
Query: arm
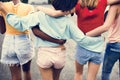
2 8
108 22
2 25
90 43
37 32
52 12
110 2
21 23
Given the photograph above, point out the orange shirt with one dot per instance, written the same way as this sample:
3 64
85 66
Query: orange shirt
20 9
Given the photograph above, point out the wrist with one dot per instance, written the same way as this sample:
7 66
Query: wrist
61 41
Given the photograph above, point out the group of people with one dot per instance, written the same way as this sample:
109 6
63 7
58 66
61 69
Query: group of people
52 27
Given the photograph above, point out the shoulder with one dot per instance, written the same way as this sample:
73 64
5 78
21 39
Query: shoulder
77 6
116 7
103 2
7 3
26 5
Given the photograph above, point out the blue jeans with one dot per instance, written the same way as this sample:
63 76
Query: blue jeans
112 54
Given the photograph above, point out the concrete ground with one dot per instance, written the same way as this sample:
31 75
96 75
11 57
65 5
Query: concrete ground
68 71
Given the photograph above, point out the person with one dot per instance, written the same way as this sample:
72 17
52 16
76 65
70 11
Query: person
112 52
2 25
17 49
51 56
90 15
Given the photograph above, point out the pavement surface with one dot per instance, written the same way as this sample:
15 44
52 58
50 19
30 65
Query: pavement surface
69 69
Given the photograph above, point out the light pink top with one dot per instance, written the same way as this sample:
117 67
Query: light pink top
114 31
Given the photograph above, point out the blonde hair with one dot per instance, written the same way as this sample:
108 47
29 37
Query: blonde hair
90 4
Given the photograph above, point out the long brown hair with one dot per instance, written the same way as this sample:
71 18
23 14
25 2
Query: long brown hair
90 4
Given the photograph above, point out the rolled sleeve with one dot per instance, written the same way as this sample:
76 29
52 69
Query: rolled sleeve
91 43
23 23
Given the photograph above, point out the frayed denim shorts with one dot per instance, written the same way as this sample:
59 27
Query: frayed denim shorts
83 56
17 49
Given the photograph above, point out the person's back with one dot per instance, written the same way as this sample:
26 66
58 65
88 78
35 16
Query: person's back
89 19
112 52
20 9
17 49
114 31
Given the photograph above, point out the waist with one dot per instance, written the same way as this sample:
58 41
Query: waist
16 36
62 47
15 31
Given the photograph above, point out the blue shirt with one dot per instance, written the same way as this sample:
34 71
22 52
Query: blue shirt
60 27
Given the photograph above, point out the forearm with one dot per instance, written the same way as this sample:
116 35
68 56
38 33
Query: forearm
51 12
37 32
2 25
112 2
108 22
3 8
97 31
23 23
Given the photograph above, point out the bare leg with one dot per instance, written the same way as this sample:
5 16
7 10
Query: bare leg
15 72
92 71
56 73
26 71
79 71
47 74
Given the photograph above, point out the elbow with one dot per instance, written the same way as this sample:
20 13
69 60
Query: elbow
34 30
3 32
106 28
36 34
54 15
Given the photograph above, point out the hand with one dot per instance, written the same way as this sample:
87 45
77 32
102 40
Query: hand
62 41
1 6
38 8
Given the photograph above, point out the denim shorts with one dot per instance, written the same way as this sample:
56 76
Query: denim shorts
83 56
17 49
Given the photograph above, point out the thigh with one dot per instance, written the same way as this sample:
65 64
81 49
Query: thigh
46 73
56 73
26 67
79 67
92 71
15 72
